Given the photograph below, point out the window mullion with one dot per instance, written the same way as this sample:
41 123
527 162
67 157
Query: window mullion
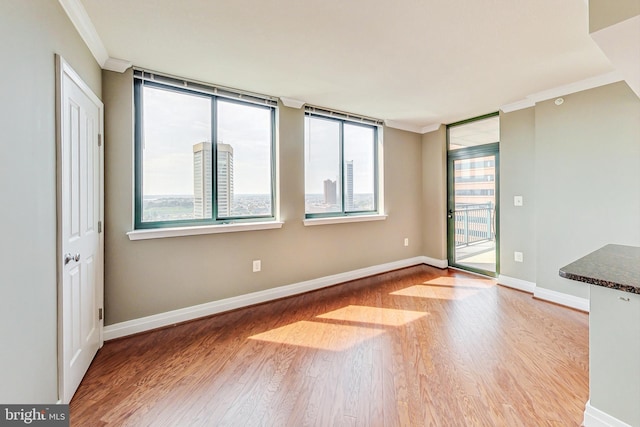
376 171
214 158
342 180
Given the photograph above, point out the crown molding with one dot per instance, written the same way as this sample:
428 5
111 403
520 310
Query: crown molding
412 128
518 105
80 19
117 65
402 126
291 103
431 128
579 86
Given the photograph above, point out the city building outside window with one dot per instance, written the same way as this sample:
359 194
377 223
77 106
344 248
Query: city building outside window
341 166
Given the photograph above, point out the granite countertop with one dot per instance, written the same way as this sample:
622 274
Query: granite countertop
612 266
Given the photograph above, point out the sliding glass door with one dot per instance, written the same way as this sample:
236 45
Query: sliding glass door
473 173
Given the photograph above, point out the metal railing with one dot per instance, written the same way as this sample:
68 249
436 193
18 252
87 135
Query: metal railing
473 223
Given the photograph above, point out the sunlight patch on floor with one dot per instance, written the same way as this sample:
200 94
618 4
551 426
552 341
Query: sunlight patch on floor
323 336
374 315
436 292
462 282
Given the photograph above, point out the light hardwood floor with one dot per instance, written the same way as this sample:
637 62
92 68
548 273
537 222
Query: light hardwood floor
413 347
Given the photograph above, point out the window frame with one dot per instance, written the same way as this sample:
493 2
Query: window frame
342 119
142 79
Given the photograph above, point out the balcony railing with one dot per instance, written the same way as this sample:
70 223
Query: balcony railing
473 223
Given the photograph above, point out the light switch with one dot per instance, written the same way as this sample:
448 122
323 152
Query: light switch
518 201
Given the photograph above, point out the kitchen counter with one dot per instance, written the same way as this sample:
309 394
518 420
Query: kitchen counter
613 276
612 266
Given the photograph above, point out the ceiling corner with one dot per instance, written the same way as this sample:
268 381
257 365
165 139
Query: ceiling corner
292 103
430 128
518 105
117 65
402 126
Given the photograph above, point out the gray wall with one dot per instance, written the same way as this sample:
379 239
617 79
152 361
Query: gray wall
153 276
587 168
31 32
517 178
434 193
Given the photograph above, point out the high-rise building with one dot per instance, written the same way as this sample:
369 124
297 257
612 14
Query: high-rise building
348 199
225 179
202 188
330 193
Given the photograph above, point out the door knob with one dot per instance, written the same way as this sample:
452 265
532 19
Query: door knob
68 258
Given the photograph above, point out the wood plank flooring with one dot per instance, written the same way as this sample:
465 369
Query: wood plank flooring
413 347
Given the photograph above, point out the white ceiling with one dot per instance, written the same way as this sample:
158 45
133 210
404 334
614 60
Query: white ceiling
414 63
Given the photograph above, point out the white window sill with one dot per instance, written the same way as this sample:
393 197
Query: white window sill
343 219
161 233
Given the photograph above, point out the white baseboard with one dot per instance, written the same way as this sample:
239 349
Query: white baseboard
556 297
440 263
596 418
147 323
519 284
567 300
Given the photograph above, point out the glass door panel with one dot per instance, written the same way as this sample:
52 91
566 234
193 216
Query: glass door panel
472 212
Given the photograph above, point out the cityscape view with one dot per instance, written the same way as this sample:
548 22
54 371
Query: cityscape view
181 207
199 205
331 199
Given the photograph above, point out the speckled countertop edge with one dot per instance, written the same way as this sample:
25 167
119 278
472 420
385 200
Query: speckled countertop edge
612 266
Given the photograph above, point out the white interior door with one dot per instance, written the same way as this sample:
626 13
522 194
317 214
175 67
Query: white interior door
80 238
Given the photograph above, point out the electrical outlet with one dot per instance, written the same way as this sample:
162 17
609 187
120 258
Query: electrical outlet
257 265
518 257
518 201
406 241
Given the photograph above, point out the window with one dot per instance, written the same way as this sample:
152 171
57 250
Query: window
201 158
341 166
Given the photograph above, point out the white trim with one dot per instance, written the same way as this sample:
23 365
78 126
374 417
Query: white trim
161 233
440 263
596 418
155 321
343 219
80 19
567 300
512 282
518 105
117 65
431 128
291 103
579 86
402 126
412 128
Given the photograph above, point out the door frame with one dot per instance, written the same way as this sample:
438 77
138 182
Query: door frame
492 149
63 69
